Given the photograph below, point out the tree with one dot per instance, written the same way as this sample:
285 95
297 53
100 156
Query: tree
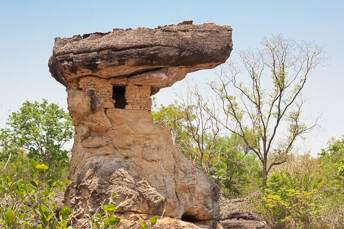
194 132
40 129
236 171
332 166
173 118
202 129
259 115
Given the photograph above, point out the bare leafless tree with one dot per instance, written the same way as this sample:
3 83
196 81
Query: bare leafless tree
193 130
262 115
201 127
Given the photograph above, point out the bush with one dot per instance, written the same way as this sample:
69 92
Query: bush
27 195
287 202
332 188
237 173
305 193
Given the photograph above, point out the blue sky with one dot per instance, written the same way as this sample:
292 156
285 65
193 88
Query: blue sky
27 30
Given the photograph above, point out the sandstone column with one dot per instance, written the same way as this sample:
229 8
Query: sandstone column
110 78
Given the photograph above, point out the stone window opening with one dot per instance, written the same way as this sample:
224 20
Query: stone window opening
118 94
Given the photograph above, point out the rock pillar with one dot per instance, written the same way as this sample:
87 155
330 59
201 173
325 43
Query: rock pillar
110 78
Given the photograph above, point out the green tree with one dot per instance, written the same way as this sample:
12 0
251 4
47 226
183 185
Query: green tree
332 188
173 117
237 172
332 163
306 192
39 129
28 195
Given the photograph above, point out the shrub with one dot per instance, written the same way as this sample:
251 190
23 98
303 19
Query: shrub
27 195
288 203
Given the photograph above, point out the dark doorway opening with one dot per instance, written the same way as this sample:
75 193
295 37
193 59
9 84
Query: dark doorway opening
118 94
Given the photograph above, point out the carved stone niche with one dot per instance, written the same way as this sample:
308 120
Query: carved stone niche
110 78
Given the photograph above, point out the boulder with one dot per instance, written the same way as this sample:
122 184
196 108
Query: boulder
239 214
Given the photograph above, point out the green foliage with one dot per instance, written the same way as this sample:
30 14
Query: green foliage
306 192
27 199
153 220
150 223
106 217
332 188
332 165
340 172
173 117
40 129
41 167
235 171
289 203
27 195
9 217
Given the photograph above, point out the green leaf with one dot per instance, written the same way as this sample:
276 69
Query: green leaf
45 214
113 196
112 221
34 183
143 225
9 217
108 208
40 167
153 220
65 212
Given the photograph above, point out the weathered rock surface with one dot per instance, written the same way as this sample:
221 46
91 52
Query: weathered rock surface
130 52
136 160
162 223
117 148
236 214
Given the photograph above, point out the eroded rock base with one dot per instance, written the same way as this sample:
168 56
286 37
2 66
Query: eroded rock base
121 151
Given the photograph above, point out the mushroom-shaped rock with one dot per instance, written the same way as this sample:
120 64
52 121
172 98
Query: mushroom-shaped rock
110 78
135 53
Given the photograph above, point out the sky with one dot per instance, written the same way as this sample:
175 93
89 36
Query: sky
28 29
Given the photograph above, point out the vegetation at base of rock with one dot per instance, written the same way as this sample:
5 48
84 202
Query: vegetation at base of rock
29 198
28 192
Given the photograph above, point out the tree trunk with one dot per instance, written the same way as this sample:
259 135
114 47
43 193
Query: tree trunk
264 174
